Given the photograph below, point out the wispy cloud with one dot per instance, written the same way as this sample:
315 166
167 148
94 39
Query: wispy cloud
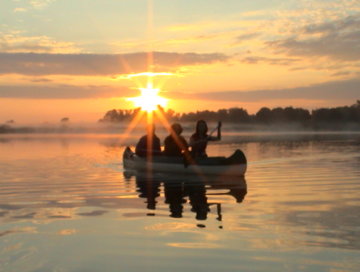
270 60
329 91
67 232
64 92
97 64
28 5
247 36
342 73
296 30
202 245
338 39
40 4
15 42
16 10
19 230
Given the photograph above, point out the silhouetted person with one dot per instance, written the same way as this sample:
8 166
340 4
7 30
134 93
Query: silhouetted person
149 144
175 144
199 140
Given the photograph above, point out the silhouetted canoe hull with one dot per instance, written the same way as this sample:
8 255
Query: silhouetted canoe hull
234 165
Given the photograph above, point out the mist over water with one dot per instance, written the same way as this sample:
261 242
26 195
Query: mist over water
66 204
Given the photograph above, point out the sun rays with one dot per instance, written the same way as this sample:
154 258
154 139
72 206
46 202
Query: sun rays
149 99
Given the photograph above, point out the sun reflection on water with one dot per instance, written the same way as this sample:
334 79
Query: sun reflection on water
301 206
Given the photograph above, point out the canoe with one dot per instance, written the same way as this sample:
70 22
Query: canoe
234 165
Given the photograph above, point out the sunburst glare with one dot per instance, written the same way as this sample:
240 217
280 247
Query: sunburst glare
149 98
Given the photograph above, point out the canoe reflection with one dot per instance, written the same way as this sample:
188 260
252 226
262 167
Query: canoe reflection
180 190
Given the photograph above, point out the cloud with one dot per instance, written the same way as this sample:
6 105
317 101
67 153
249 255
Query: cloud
350 22
14 42
272 61
3 213
338 39
98 64
64 92
40 4
16 10
32 5
26 216
247 36
67 232
334 90
202 245
39 80
19 230
341 73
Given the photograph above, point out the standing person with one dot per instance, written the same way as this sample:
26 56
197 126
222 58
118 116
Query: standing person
199 140
149 144
175 144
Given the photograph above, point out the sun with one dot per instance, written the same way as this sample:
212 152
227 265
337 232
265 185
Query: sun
149 98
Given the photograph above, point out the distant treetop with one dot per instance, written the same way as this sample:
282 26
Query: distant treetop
345 114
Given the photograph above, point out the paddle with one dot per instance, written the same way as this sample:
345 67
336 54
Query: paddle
218 129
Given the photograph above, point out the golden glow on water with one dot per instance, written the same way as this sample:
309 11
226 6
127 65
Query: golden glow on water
70 194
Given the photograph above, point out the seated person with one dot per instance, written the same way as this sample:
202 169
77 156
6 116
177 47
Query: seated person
149 144
175 144
199 140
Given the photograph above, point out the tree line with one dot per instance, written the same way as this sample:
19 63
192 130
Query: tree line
345 114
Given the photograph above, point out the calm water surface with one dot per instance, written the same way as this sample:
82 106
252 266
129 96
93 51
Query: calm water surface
67 205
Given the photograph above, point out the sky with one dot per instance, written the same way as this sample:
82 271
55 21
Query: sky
78 58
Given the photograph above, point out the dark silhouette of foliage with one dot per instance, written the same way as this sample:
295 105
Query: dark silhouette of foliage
282 115
227 115
278 115
263 115
114 116
339 114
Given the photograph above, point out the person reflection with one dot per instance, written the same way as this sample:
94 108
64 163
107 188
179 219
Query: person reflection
236 186
238 193
177 191
174 197
148 188
198 200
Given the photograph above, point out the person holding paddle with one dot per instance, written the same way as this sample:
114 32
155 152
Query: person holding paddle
199 140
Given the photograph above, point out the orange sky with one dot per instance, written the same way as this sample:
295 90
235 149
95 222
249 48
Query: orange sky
56 62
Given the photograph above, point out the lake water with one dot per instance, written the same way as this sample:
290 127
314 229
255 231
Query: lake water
66 205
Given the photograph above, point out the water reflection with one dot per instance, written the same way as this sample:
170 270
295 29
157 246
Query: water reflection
189 190
71 197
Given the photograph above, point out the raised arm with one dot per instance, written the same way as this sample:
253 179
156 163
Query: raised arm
218 137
